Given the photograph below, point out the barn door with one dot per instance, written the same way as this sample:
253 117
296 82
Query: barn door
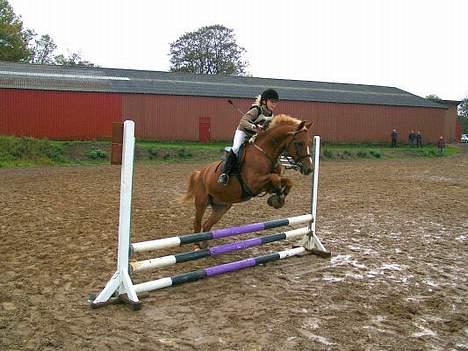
204 131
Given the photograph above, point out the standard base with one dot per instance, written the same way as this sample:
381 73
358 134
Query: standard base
114 300
119 289
313 244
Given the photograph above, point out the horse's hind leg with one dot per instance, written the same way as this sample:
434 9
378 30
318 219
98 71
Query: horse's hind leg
217 211
201 203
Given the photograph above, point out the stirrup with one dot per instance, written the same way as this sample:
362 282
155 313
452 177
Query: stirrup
223 179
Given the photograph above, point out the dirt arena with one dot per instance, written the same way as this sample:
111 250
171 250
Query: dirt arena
397 279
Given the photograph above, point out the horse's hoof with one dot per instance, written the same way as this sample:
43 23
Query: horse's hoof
275 201
202 245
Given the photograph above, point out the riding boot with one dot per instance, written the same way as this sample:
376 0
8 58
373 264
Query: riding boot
227 168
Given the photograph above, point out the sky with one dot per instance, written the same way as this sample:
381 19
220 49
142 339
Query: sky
420 46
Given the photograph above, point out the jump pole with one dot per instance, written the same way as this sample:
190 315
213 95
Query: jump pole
120 287
216 270
216 234
164 261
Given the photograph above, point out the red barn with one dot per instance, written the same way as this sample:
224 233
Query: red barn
70 103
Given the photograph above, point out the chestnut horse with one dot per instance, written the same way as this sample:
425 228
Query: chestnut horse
260 172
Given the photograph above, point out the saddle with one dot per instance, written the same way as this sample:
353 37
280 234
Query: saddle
247 193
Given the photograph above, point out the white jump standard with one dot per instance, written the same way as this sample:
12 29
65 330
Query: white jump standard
120 288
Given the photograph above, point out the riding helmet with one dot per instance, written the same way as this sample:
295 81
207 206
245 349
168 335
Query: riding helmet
270 94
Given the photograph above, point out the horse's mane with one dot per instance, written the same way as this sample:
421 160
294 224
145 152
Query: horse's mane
283 119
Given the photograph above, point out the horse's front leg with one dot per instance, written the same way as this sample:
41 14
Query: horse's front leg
280 186
286 185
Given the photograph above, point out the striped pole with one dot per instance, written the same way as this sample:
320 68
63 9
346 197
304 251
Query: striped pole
215 250
215 270
217 234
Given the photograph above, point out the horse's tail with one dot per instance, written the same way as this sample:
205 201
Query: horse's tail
189 194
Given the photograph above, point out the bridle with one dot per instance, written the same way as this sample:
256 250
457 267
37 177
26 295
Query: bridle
299 158
295 163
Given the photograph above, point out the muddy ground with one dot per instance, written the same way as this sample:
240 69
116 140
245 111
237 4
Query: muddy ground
397 279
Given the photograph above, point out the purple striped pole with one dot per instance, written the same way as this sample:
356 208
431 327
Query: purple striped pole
248 228
218 233
216 270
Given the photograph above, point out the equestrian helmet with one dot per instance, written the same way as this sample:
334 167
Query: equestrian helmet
270 94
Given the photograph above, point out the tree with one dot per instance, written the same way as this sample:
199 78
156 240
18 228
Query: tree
463 108
23 45
13 37
463 114
433 97
209 50
42 50
73 59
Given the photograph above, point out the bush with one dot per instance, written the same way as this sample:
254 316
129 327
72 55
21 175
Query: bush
375 153
153 153
96 154
362 154
30 150
55 153
327 154
182 153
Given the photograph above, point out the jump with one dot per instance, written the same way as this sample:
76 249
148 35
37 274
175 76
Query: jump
259 172
291 137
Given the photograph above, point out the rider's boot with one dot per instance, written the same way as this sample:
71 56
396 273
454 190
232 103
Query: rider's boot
227 168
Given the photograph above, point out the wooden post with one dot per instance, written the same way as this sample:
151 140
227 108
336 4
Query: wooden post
117 142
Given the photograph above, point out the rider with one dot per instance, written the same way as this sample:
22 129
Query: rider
255 120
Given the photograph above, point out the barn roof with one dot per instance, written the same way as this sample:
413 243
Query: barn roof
97 79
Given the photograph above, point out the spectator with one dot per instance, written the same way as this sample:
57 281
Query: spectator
394 136
419 139
412 138
441 144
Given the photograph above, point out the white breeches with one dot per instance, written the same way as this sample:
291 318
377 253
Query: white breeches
239 138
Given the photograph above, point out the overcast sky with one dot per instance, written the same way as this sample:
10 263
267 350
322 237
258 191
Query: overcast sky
417 45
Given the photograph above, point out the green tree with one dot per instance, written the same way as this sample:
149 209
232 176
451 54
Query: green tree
209 50
463 108
13 37
42 50
73 59
18 44
433 97
463 114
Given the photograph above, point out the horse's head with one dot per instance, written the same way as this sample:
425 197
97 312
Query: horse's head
299 147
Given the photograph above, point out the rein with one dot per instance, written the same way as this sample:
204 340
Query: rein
295 163
274 163
293 140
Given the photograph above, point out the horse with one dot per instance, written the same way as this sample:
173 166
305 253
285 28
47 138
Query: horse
260 172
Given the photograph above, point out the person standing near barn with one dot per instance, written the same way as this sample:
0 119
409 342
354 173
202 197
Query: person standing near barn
419 139
394 137
256 118
441 144
412 138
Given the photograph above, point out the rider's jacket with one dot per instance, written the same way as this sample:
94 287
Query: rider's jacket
257 115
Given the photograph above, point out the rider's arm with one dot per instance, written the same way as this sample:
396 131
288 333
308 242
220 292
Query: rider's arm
247 121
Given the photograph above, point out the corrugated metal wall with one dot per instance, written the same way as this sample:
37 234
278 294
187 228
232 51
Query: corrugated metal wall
450 133
368 123
79 115
58 115
177 118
